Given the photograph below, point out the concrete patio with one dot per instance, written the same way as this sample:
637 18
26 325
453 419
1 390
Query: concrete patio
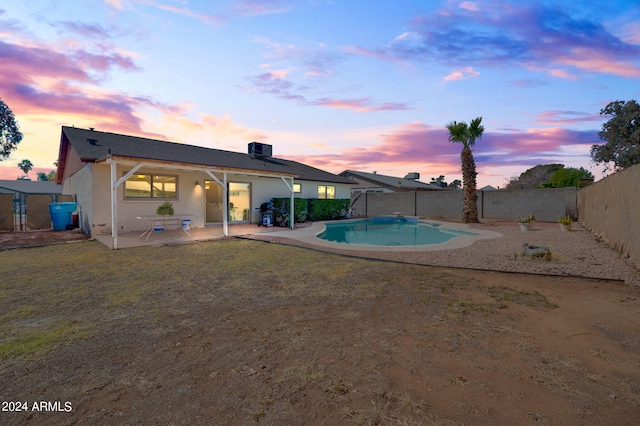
171 237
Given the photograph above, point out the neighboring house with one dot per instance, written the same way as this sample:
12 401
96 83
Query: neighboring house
117 178
374 182
24 186
487 188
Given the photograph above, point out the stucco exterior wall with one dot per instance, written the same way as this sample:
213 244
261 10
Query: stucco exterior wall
73 163
80 184
190 200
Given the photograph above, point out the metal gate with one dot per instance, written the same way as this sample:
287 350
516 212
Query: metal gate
7 221
28 212
38 216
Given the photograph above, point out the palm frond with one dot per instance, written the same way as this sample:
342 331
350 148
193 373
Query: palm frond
475 130
457 132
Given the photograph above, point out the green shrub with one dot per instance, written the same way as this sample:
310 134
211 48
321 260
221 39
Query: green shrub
299 207
311 208
327 209
165 209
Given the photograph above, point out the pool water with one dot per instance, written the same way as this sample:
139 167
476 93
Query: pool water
396 232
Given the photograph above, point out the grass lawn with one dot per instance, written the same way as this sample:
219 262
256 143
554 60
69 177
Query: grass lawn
243 332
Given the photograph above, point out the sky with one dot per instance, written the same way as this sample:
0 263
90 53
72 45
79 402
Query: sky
335 84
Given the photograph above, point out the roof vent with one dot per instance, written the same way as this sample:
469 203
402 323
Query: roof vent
260 150
412 176
92 141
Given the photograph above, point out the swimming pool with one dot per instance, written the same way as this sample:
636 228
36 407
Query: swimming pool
390 232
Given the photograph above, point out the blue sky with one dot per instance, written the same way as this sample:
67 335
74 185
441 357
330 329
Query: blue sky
364 85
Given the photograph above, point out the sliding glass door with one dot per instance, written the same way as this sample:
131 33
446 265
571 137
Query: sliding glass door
239 202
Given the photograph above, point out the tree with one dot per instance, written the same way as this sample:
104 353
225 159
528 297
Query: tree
10 135
534 177
25 166
622 134
565 177
467 135
52 176
456 184
439 181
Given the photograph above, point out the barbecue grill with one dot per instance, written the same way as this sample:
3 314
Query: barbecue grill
266 214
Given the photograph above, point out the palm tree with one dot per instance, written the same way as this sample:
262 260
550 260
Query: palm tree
25 166
467 135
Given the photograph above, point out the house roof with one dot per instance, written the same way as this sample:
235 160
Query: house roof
30 187
392 181
95 146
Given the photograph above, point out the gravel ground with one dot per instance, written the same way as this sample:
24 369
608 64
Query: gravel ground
575 253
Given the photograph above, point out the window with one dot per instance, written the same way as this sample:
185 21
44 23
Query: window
297 188
151 186
326 191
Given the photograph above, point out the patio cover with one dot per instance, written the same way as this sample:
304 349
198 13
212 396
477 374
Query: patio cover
136 164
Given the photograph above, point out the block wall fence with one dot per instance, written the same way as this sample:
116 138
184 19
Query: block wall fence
547 204
610 208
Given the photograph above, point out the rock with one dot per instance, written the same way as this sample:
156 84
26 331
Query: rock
535 251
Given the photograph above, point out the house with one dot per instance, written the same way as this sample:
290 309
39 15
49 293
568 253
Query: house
118 178
25 186
488 188
375 182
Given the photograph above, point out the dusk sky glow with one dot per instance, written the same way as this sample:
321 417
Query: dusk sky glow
335 84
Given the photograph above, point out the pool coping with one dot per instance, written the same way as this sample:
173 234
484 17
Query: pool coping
309 235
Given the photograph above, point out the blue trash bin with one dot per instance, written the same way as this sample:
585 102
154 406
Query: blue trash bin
62 214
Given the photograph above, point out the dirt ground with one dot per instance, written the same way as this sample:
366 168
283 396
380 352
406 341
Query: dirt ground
12 240
366 342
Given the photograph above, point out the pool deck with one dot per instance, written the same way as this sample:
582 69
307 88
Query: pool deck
309 235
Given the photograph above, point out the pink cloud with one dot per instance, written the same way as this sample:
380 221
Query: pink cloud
469 5
226 128
84 30
261 7
594 61
360 105
275 83
427 150
239 8
38 80
116 4
207 18
559 118
463 74
631 32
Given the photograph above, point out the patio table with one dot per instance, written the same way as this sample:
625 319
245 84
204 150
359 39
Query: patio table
157 221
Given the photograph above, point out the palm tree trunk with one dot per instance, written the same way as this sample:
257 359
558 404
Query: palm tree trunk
470 203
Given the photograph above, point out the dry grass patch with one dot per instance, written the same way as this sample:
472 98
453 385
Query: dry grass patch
245 332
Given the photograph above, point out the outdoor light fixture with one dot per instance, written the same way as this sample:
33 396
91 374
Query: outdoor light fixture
197 183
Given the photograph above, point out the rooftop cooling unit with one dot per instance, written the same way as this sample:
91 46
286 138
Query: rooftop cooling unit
412 176
258 149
